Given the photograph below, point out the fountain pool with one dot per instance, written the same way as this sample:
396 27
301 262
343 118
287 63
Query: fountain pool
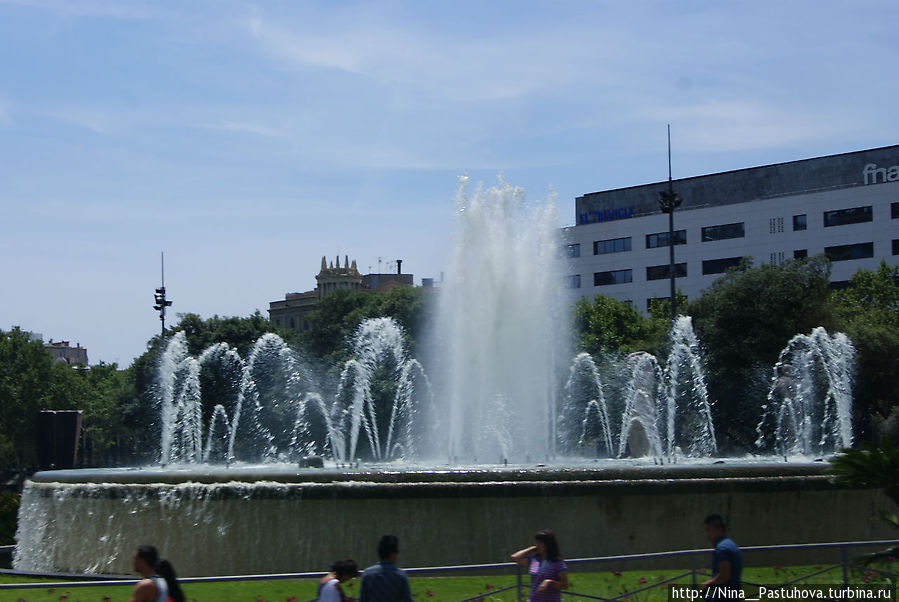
509 437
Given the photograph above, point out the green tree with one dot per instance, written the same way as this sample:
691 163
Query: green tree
868 311
744 319
238 332
25 371
606 325
337 316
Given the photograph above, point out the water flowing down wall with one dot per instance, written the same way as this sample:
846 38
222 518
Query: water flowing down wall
285 522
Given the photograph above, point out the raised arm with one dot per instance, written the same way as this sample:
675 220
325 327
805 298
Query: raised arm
560 582
521 556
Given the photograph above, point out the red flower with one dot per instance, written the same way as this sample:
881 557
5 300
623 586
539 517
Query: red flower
642 580
430 594
776 567
616 573
488 586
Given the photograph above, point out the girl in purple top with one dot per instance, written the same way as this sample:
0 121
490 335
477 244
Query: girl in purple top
545 566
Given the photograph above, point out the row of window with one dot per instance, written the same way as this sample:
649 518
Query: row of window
659 239
863 250
719 266
839 217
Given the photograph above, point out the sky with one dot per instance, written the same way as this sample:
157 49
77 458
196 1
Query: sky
247 139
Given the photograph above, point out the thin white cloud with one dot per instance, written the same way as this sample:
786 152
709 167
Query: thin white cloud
498 67
244 127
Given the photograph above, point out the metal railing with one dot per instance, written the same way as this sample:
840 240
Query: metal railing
846 563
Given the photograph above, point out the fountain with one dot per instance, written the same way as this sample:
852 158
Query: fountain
809 404
502 445
500 329
643 409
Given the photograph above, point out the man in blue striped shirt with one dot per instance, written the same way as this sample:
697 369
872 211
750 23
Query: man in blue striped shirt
385 582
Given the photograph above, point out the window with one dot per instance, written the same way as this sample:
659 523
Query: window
613 245
612 277
838 285
573 250
292 324
895 247
800 222
723 232
800 253
847 252
660 272
894 210
719 266
776 258
573 281
842 217
660 239
775 225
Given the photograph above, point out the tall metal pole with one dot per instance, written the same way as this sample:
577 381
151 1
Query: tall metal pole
668 202
161 301
162 253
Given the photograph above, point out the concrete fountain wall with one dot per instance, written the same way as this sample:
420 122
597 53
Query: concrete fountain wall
234 521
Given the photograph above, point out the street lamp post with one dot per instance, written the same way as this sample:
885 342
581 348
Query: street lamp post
161 301
668 202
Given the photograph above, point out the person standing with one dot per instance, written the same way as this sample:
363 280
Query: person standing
329 589
385 582
152 588
727 561
548 572
165 570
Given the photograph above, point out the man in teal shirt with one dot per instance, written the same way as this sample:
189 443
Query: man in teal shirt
727 561
385 582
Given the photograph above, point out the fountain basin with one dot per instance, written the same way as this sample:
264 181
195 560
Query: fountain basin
248 520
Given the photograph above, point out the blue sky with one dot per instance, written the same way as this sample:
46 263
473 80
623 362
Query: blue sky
248 139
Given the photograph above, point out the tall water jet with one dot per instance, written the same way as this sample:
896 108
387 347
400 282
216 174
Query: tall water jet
688 411
500 327
809 406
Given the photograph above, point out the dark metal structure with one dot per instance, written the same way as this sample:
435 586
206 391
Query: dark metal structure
668 202
161 301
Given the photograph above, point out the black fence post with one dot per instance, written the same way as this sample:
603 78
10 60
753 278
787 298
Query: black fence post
518 580
844 560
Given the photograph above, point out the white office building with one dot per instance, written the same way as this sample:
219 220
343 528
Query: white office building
845 206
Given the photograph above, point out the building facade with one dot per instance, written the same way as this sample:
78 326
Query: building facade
62 351
292 312
844 206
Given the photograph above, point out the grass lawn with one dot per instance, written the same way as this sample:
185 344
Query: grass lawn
430 589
